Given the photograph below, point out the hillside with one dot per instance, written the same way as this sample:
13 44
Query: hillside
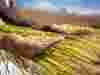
47 18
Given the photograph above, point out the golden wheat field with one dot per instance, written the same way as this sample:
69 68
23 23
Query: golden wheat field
76 54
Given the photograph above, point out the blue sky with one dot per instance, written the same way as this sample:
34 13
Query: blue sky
82 6
90 4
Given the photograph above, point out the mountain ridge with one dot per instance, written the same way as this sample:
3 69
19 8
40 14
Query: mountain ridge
43 17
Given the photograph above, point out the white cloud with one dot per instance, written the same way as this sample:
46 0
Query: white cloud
73 10
45 5
83 11
87 11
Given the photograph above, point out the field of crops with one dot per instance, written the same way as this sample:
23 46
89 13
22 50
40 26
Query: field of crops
74 55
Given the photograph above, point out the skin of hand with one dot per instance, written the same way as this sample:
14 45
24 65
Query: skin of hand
26 47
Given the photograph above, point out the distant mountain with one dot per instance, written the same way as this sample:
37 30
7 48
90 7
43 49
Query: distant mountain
43 17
